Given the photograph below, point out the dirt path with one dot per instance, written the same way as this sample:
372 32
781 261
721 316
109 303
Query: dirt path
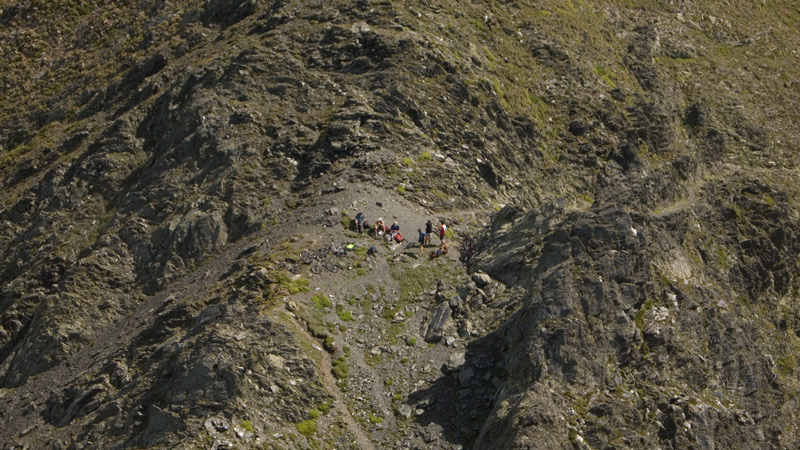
362 441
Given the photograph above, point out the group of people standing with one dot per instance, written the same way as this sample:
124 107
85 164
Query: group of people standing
393 232
425 238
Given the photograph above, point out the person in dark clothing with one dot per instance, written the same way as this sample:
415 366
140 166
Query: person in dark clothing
360 222
428 232
421 240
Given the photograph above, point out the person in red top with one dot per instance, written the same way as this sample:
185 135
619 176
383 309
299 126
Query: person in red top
442 232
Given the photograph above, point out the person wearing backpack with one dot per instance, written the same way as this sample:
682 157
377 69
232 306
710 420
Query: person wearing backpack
360 222
421 240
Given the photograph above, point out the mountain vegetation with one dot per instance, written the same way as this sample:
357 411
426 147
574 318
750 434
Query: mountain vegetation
180 267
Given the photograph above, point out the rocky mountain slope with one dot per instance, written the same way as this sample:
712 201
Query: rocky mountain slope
179 179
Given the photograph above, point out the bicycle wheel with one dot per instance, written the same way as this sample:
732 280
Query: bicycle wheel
306 257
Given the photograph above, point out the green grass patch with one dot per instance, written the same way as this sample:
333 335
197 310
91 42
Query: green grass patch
406 161
248 425
639 317
321 301
340 369
425 156
346 221
786 364
606 75
343 314
412 341
285 285
306 427
413 281
324 407
723 258
314 413
375 419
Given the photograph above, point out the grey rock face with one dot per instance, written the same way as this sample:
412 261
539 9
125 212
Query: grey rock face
584 281
439 324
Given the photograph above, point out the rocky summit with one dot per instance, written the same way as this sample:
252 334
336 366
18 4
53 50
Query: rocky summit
181 266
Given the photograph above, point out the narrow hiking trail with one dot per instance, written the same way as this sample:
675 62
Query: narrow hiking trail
361 440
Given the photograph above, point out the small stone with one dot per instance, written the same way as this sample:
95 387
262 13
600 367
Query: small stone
454 301
481 279
455 361
220 424
404 411
261 273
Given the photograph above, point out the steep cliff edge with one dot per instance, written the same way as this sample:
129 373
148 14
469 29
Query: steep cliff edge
179 178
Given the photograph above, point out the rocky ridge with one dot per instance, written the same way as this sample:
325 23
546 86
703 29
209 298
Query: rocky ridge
179 177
